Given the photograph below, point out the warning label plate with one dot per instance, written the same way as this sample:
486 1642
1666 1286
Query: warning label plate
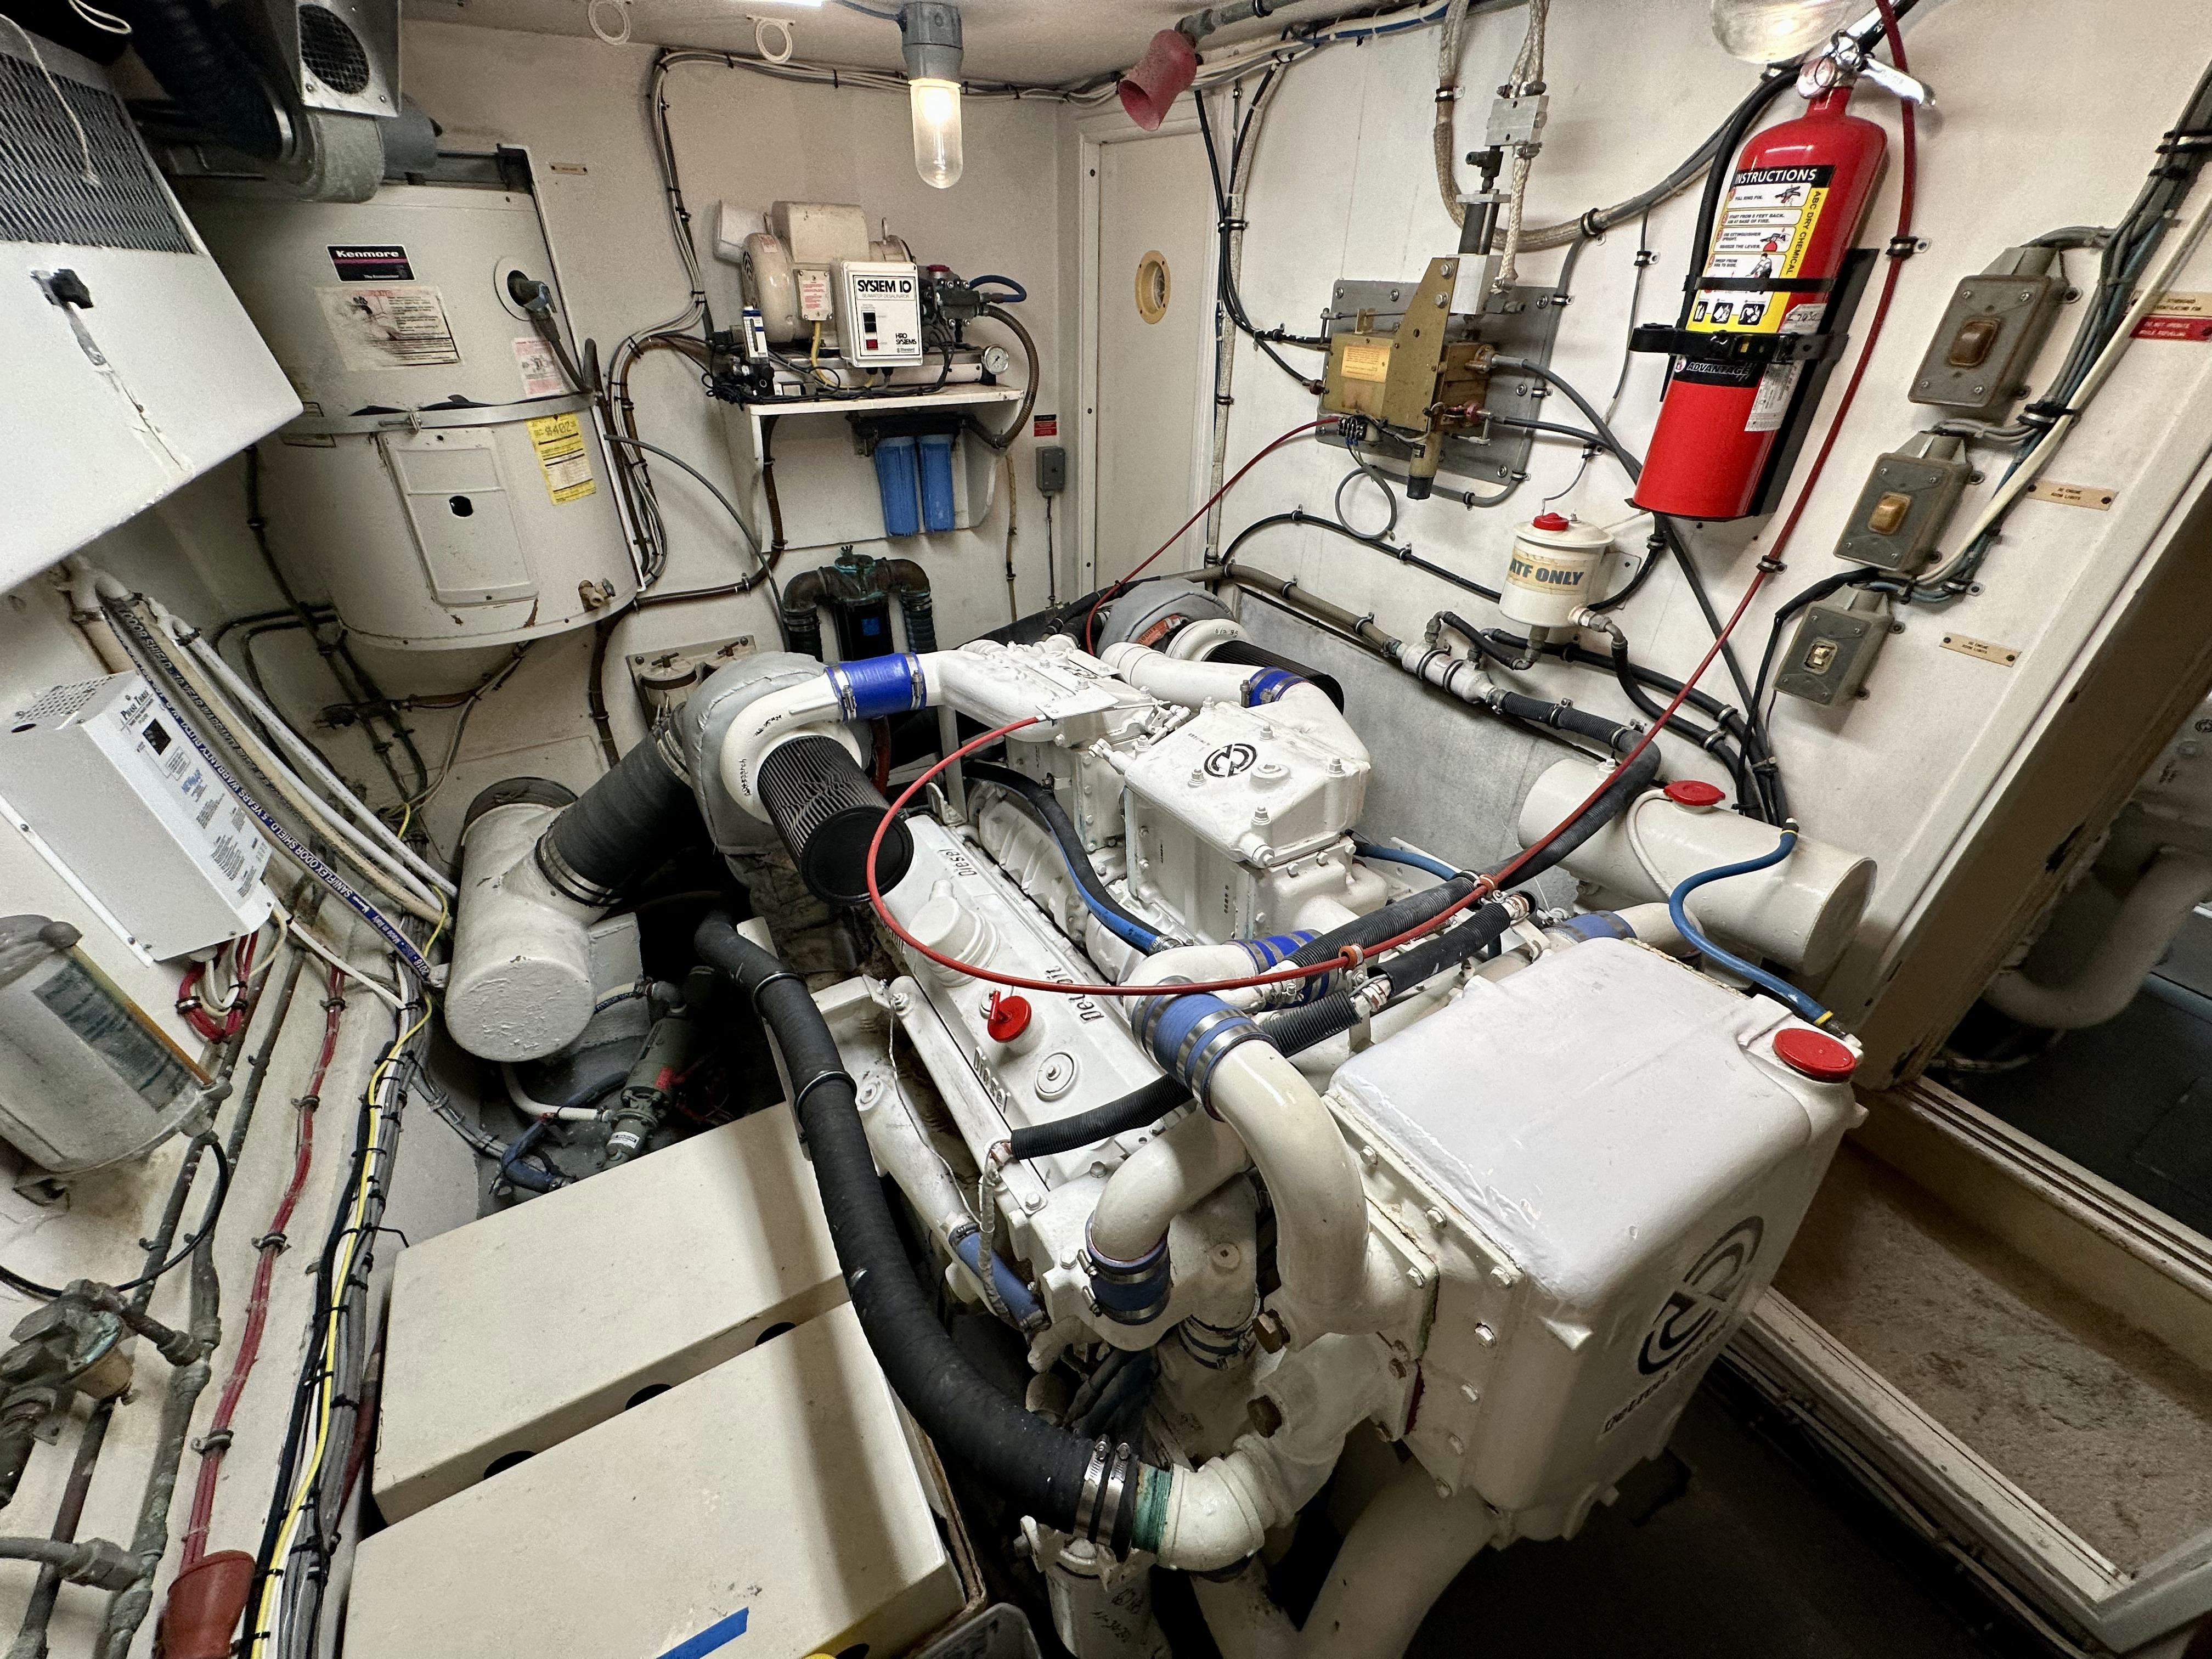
389 327
562 458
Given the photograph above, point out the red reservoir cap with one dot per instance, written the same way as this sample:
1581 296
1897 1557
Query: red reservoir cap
1814 1054
1549 521
1008 1017
1694 792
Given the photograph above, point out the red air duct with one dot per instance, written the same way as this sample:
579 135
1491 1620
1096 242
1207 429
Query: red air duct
1162 76
1794 207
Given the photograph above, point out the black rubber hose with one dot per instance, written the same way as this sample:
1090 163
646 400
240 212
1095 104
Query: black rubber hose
621 829
1565 717
1390 920
1044 809
1750 790
211 78
1627 783
1138 1110
1038 1467
1296 1030
1484 645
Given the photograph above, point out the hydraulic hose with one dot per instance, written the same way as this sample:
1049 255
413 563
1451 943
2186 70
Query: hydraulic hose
1043 807
1565 717
1013 429
1073 1485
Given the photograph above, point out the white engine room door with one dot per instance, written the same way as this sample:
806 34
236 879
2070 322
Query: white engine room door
1152 295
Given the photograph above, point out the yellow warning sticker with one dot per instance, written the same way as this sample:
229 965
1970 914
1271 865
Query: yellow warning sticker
1367 363
562 458
1764 232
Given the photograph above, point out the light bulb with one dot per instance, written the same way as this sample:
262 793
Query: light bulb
937 153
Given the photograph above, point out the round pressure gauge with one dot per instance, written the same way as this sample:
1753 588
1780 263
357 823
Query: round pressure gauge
997 360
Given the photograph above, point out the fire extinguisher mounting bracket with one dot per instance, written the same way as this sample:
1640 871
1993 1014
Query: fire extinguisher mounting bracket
1700 347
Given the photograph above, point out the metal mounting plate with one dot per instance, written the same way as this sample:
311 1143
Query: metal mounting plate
1495 455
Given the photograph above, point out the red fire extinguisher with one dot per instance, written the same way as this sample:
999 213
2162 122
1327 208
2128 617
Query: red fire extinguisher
1754 325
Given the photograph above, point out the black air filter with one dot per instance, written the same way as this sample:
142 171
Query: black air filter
827 811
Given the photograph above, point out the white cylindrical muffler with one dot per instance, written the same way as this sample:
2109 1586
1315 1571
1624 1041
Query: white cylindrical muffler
1802 912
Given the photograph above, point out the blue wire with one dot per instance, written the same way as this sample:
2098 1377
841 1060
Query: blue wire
1437 867
1806 1007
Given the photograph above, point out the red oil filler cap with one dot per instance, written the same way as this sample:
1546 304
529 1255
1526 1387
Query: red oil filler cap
1549 521
1694 792
1814 1054
1007 1017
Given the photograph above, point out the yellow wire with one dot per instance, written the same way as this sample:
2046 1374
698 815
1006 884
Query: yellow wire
814 352
264 1609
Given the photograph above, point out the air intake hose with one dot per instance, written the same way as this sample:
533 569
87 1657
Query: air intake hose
1089 1488
622 828
211 78
1246 655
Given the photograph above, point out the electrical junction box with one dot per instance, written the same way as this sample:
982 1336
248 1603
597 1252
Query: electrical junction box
775 1497
1832 654
1978 359
879 312
813 285
1642 1155
121 796
1051 469
1908 499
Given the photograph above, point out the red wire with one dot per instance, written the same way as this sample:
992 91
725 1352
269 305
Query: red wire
1090 618
257 1309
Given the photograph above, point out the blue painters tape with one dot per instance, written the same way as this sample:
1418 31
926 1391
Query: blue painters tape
719 1634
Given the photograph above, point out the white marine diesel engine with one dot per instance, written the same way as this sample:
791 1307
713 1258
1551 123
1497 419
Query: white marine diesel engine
1497 1183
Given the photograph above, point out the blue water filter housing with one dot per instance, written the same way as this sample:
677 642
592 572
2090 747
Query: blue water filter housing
896 483
937 481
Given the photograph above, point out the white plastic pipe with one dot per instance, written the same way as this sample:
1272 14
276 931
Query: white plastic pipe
1162 1179
1801 912
2153 913
1304 707
1407 1547
1336 1276
1221 1512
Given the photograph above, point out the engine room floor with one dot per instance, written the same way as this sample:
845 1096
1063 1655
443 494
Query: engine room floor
1767 1550
2130 1099
2108 1428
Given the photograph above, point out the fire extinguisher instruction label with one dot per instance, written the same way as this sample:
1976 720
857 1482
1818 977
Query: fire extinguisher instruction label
1764 232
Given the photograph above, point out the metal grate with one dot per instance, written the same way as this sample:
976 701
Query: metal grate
95 192
52 707
330 52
